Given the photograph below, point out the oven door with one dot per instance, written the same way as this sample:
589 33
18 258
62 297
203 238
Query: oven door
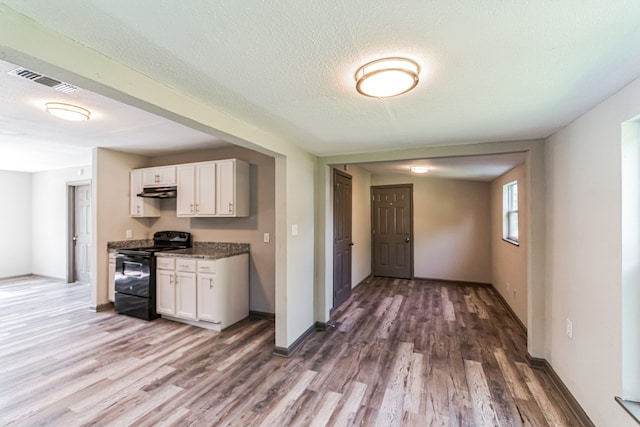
133 274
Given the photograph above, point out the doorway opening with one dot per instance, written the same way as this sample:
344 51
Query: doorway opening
79 232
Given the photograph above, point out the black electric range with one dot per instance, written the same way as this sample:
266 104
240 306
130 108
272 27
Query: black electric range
135 280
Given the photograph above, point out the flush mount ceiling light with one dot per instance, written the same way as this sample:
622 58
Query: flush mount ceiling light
67 111
387 77
419 169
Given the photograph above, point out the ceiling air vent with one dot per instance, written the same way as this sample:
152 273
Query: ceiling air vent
43 80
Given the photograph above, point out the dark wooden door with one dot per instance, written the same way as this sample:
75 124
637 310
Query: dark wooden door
342 242
392 222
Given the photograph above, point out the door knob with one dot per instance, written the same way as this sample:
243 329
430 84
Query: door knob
406 240
351 244
74 238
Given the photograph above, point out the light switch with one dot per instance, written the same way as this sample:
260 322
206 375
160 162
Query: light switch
294 229
266 237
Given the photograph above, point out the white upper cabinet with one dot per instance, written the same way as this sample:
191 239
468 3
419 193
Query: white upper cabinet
196 189
210 189
159 176
186 197
217 188
232 188
206 188
141 206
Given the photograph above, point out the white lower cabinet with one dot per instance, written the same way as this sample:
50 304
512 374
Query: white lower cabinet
176 287
165 292
186 290
209 293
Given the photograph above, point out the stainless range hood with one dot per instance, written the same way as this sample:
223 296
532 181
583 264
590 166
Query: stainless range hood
159 192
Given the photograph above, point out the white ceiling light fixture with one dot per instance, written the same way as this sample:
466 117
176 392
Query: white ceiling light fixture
387 77
67 111
419 169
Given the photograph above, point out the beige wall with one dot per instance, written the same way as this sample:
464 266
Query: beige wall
50 256
451 235
361 224
15 224
110 206
509 262
241 230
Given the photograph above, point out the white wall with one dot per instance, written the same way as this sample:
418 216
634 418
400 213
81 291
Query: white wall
15 224
584 255
250 230
50 219
451 227
630 260
509 262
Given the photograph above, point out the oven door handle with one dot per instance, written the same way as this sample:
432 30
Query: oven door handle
132 274
134 258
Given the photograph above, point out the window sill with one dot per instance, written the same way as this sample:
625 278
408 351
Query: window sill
513 242
633 408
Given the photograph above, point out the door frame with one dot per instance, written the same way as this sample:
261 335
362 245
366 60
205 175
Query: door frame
411 251
71 226
333 182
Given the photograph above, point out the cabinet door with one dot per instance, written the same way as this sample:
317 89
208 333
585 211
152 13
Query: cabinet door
167 175
140 206
159 176
206 189
135 202
186 295
225 187
186 197
208 298
165 292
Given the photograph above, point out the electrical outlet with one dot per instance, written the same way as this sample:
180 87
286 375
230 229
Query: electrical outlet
569 329
266 237
128 234
294 229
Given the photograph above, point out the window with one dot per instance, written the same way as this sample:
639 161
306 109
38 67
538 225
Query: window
510 212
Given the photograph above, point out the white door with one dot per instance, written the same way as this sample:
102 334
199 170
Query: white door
82 233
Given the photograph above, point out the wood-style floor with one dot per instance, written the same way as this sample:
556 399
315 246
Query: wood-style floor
411 353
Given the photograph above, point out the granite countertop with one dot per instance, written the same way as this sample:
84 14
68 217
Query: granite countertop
128 244
208 250
204 250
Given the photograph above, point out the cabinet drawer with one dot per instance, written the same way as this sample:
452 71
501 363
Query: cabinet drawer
166 263
207 266
185 264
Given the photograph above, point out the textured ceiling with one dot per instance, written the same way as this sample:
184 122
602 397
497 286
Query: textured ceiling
31 140
491 70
